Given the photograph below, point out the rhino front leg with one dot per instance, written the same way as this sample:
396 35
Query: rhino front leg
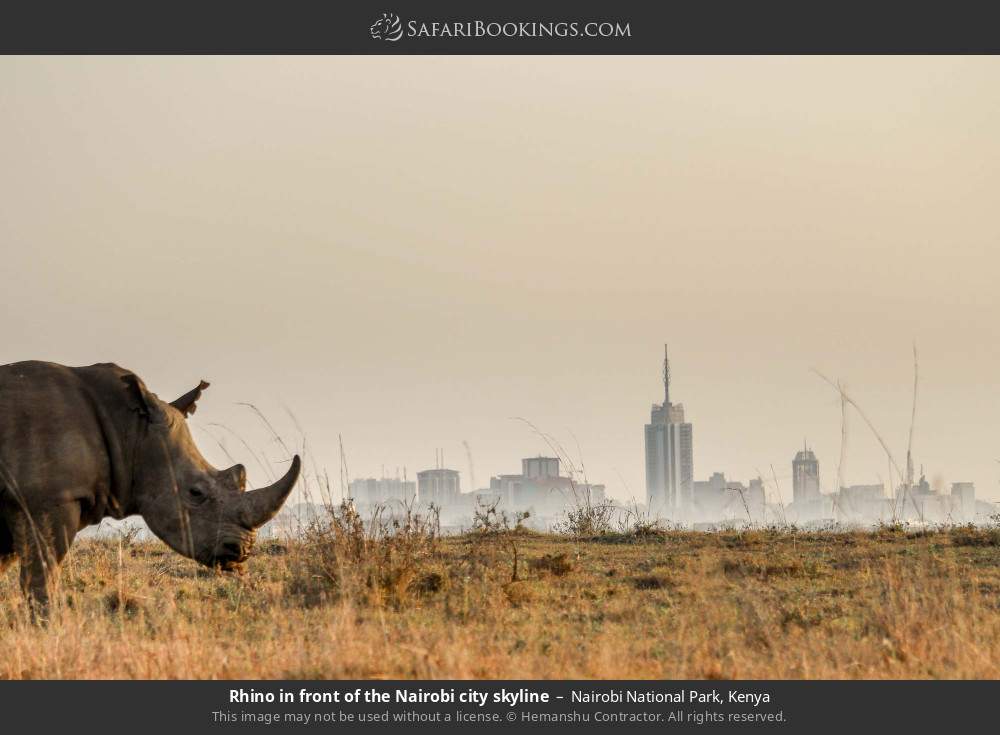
42 541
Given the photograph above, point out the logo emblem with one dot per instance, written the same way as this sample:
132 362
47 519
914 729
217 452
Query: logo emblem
387 28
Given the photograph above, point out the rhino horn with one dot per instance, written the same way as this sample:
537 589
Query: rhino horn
261 505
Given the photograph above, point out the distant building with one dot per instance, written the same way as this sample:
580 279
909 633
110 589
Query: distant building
506 488
706 490
713 500
861 504
805 477
756 497
861 494
539 479
733 503
369 491
534 468
439 486
963 496
541 489
669 456
919 502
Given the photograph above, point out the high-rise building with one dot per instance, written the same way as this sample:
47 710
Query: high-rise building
669 456
805 476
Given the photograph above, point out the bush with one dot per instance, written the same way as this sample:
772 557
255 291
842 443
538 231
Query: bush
373 562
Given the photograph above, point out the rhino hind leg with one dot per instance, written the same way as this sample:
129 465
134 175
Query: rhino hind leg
41 542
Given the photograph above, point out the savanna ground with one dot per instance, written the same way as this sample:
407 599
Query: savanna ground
350 601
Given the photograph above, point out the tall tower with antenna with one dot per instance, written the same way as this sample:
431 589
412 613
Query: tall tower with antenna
669 456
805 476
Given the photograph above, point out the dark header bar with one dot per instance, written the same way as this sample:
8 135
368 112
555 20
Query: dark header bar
449 27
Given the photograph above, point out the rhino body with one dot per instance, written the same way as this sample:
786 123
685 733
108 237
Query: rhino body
79 444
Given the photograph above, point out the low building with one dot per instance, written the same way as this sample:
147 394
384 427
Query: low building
439 487
369 491
964 501
542 491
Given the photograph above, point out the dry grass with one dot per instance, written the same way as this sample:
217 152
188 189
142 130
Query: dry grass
349 601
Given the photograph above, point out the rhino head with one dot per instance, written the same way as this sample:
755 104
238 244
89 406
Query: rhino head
201 512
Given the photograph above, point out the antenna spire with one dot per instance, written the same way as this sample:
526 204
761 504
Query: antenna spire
666 377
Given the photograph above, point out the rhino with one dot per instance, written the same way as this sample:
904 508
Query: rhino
80 444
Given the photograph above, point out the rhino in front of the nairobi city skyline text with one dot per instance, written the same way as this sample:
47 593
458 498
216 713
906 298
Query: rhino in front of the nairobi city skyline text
79 444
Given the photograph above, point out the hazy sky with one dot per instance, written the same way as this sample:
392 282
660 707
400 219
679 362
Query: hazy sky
409 251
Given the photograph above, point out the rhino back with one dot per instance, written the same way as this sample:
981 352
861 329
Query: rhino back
52 444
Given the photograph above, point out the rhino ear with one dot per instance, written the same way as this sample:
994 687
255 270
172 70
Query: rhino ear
145 402
187 403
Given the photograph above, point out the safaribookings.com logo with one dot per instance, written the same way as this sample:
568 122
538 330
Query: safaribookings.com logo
387 28
390 28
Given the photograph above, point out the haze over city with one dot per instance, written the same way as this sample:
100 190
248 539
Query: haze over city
410 268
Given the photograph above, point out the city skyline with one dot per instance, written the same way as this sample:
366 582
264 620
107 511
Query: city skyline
674 495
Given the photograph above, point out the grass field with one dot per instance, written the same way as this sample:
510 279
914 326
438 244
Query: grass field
348 602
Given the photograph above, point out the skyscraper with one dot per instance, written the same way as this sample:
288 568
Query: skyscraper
805 476
669 456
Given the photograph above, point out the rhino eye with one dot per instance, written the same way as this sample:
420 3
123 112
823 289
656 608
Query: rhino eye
196 495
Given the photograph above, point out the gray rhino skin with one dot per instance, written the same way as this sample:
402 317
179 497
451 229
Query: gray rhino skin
78 444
